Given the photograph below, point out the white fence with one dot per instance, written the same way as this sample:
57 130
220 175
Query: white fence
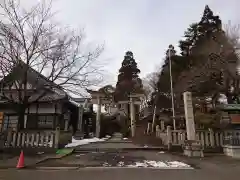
208 138
32 139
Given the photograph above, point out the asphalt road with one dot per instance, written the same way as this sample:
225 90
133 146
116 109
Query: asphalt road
117 174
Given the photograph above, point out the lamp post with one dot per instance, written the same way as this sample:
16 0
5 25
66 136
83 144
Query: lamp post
170 51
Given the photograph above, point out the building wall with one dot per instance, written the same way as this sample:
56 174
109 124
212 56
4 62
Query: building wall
44 112
45 108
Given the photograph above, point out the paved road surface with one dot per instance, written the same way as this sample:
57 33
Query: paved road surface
119 174
124 158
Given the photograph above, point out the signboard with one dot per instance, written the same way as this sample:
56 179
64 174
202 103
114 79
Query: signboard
1 116
235 118
1 120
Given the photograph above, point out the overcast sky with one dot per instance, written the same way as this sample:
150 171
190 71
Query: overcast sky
145 27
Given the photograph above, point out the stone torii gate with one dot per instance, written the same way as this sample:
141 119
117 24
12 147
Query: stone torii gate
100 98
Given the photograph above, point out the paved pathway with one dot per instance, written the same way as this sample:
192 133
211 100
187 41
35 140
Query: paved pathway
120 174
111 159
115 143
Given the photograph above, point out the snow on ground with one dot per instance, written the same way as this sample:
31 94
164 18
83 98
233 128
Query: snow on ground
151 164
160 164
75 142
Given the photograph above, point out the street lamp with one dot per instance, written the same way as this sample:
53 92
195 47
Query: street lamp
171 52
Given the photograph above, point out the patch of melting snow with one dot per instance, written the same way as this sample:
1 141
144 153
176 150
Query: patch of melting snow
177 164
75 142
156 163
105 164
120 164
39 153
160 164
78 155
161 152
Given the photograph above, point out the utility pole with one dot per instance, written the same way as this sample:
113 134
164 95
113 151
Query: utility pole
170 51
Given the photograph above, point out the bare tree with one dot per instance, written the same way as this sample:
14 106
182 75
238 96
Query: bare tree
30 41
150 83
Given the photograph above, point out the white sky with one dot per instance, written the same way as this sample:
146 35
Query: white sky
145 27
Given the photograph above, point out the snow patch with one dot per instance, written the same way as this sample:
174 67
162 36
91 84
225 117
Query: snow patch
79 155
75 142
106 164
160 164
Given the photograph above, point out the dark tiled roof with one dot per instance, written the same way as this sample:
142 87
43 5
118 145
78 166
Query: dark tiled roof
49 96
51 91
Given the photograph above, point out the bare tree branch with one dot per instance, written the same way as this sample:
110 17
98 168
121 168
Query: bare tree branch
30 39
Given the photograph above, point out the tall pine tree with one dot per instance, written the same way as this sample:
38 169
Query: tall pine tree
198 32
189 34
128 79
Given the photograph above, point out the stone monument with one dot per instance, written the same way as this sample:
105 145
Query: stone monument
192 147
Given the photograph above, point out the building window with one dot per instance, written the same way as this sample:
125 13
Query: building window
46 122
10 122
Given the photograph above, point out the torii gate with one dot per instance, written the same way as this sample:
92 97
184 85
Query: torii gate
100 98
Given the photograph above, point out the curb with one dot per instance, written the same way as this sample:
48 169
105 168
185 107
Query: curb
50 158
57 168
119 149
113 141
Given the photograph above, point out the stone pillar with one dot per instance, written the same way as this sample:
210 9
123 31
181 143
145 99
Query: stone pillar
80 116
132 113
66 125
57 137
149 125
169 137
162 125
154 118
188 108
212 139
25 121
98 117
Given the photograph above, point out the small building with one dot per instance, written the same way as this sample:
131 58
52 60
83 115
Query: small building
230 115
49 105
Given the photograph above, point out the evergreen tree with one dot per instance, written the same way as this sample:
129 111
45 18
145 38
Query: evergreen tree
189 34
209 27
209 23
128 79
197 32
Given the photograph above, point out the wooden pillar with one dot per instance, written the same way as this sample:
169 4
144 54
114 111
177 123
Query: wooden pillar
98 118
133 120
